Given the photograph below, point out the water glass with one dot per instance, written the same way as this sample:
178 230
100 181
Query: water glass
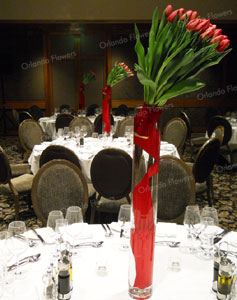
51 222
95 135
84 131
124 223
66 132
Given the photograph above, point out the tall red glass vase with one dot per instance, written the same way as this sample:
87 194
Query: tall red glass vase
146 154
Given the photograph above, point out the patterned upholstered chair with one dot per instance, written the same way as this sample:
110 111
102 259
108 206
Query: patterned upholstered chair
36 112
91 109
203 166
63 120
13 187
30 134
185 118
24 115
122 110
61 152
57 185
122 126
111 175
98 123
176 189
64 108
82 121
175 132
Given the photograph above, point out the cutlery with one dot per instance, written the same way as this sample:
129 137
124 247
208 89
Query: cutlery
30 242
219 236
107 233
89 244
171 244
39 236
32 258
110 231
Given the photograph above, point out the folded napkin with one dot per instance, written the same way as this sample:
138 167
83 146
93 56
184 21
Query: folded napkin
231 239
168 230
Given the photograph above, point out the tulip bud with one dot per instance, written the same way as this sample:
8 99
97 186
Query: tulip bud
223 45
208 33
192 24
194 15
217 39
168 10
217 32
174 13
203 25
188 13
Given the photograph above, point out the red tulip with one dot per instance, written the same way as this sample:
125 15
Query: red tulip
208 33
191 26
168 10
217 39
194 15
174 13
223 45
203 25
217 32
188 13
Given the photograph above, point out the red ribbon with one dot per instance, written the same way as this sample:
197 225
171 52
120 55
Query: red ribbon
82 97
147 137
105 108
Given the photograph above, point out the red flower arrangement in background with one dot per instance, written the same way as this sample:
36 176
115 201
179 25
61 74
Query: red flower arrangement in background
87 78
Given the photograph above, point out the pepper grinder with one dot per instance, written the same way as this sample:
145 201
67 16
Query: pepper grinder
64 286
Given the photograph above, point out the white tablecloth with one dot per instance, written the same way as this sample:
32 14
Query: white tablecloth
193 281
91 148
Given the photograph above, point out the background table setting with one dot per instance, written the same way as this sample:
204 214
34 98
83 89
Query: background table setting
91 147
101 273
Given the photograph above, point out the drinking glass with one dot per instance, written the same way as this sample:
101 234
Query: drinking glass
17 245
61 232
75 226
77 131
84 131
51 222
124 223
128 134
60 133
66 132
192 225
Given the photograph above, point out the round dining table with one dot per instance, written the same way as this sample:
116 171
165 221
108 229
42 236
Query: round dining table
91 147
192 280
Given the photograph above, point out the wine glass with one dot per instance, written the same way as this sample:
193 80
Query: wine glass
77 131
61 232
51 222
128 134
209 228
75 226
66 132
124 223
192 224
17 245
84 131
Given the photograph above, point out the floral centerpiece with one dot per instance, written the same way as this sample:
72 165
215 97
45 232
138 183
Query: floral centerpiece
119 72
181 45
86 78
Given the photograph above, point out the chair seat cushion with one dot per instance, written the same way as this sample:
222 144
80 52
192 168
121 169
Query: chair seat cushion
198 141
21 183
112 206
20 169
200 187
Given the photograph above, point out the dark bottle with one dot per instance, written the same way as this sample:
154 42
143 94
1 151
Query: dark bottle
64 285
224 279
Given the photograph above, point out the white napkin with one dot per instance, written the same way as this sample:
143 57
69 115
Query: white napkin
168 230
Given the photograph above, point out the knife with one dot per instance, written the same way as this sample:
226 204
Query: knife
39 236
25 260
220 236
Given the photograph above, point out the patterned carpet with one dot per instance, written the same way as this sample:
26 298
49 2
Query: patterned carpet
225 190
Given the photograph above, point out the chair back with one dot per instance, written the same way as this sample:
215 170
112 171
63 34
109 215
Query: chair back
5 170
63 120
218 133
57 185
98 123
206 159
185 118
58 152
30 134
24 115
175 132
122 110
36 112
82 121
111 173
129 121
220 121
176 189
64 108
91 109
15 115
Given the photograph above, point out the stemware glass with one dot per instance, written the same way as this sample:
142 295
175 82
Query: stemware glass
192 224
128 134
209 228
17 245
66 132
75 226
61 232
124 223
77 131
84 131
51 222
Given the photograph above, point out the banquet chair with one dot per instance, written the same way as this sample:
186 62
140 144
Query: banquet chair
91 109
203 166
120 131
15 116
122 110
64 108
175 132
111 175
63 120
82 121
36 112
61 152
30 134
13 187
98 123
176 189
24 115
57 185
185 118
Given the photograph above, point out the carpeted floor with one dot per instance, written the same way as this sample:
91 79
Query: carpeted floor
225 190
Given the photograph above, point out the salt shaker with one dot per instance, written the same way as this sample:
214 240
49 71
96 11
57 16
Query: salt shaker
49 285
224 279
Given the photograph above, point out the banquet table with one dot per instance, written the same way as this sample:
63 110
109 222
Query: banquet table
48 123
193 281
91 147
